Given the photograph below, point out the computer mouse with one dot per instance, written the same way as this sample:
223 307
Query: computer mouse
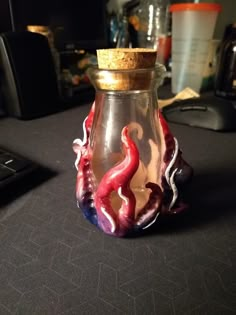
208 112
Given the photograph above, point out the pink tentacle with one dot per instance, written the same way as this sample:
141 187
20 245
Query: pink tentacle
118 179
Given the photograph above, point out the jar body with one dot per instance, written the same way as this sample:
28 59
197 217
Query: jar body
137 111
128 154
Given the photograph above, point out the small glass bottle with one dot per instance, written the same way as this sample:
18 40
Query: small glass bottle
129 164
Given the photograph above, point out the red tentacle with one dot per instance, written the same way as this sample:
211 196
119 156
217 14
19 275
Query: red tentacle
118 179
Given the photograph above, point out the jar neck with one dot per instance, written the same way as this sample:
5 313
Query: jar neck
126 80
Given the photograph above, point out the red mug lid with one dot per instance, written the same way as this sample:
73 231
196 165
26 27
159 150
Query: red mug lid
195 7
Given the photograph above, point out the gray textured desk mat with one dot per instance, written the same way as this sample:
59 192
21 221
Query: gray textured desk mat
52 261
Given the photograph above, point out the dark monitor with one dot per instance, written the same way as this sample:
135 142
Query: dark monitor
76 24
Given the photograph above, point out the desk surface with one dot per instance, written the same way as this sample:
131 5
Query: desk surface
52 261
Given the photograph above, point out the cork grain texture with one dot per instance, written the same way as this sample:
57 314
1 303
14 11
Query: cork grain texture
126 58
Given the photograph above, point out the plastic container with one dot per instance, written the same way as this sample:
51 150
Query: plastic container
193 26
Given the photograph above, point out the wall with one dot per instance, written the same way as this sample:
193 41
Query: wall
227 16
5 23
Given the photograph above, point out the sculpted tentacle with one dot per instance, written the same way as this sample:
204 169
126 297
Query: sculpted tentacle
117 179
174 172
85 182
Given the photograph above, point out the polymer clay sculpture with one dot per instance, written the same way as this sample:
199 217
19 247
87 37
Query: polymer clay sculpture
129 165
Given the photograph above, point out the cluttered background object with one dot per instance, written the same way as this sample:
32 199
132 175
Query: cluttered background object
74 32
195 41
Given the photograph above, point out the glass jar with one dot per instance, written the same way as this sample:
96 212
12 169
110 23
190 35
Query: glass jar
128 161
153 22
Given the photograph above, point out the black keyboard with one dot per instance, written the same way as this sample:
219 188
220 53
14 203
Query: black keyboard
13 167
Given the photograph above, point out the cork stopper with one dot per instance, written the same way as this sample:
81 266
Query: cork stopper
126 58
125 69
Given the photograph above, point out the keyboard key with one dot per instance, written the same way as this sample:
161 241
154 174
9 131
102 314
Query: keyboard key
14 168
5 173
15 164
4 158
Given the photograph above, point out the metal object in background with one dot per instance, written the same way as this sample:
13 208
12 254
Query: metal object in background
225 81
